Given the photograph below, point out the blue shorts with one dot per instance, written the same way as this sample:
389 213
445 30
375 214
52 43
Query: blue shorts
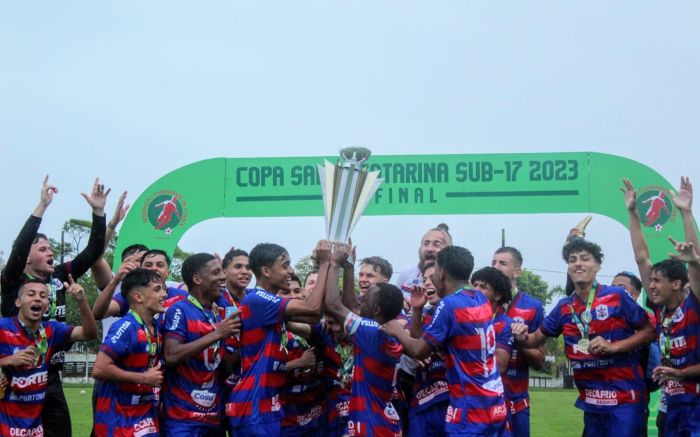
429 422
178 428
622 424
520 423
271 429
682 420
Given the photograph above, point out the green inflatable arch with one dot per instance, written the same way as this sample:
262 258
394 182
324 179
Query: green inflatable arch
582 182
415 184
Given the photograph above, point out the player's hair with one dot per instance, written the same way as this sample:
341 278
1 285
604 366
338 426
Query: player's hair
498 281
515 253
231 254
39 236
28 281
138 278
442 227
672 269
264 255
581 245
457 261
379 265
390 300
294 277
132 249
153 252
192 266
636 282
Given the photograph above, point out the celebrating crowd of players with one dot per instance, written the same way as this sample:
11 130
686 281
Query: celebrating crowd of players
447 351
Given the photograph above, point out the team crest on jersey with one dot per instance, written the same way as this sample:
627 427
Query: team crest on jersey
655 207
677 315
165 210
601 312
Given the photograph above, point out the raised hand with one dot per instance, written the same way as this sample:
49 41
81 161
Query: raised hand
153 376
322 252
630 195
97 198
47 192
340 253
74 289
684 198
418 297
120 211
685 252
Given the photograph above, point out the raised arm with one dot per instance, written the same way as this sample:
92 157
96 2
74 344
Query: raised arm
686 252
96 243
684 202
639 245
311 306
418 301
333 304
101 270
104 305
349 297
88 328
13 273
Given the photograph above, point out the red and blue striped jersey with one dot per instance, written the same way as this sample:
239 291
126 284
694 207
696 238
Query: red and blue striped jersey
20 409
124 408
605 384
376 356
192 390
303 391
530 311
337 377
255 399
684 352
463 322
431 386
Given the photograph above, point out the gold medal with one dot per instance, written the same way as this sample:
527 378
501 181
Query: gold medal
583 345
586 316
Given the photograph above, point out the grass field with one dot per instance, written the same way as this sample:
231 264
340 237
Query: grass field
552 414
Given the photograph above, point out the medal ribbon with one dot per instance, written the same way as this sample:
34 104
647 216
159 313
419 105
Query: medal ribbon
665 336
153 346
580 324
210 319
40 340
346 361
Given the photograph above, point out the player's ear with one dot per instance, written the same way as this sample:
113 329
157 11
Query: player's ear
265 271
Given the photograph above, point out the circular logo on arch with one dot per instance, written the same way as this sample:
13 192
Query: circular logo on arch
165 210
655 207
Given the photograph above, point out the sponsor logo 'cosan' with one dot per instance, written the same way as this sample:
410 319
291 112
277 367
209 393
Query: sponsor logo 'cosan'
21 382
203 398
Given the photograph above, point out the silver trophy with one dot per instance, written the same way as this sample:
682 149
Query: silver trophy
347 189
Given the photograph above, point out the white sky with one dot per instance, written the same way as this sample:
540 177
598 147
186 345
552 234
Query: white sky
132 90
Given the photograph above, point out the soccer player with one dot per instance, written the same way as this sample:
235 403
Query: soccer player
522 309
337 357
373 270
376 353
602 327
431 396
497 289
463 322
27 345
253 407
679 330
238 274
129 362
32 257
303 387
111 303
194 334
